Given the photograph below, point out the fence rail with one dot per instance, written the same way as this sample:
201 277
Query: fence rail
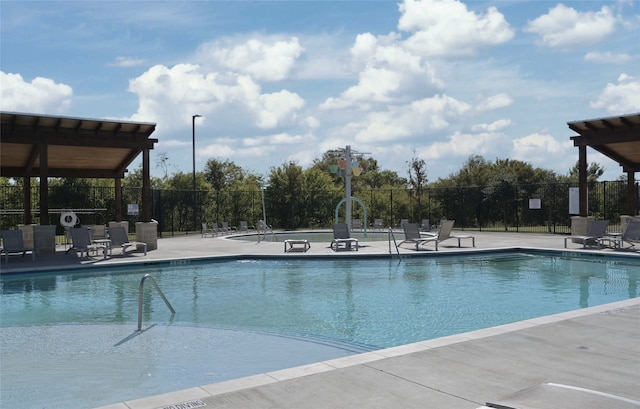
502 208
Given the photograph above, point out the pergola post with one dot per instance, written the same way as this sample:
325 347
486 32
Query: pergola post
44 185
582 180
118 195
26 199
146 187
631 193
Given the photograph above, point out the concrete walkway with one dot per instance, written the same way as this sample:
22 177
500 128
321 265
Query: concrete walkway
588 358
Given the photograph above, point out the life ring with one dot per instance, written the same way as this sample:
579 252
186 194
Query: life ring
68 219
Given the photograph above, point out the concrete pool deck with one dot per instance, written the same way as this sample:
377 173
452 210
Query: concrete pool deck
587 358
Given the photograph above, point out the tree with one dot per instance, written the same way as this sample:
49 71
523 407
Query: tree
285 185
417 180
221 174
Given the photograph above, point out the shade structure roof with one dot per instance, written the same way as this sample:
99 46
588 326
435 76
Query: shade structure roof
617 137
76 147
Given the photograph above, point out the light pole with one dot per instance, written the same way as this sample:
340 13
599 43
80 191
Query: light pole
193 145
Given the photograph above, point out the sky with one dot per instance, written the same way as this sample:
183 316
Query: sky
285 81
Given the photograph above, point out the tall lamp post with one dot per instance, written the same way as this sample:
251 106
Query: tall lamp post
193 145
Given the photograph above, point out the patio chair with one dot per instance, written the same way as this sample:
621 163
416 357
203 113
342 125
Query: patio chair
403 222
207 230
244 227
342 238
226 229
13 242
413 235
356 224
631 235
120 238
425 226
378 224
81 241
597 231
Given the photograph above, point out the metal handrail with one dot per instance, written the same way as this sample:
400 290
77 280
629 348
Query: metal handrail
140 298
394 241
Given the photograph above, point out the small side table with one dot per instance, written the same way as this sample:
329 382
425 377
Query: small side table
289 245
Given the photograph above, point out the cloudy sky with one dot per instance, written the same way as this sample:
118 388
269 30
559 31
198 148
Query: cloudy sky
280 81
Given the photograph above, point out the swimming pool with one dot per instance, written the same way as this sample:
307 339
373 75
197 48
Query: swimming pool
76 330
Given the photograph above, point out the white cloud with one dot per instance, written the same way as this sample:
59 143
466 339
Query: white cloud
463 145
126 62
264 60
389 73
564 26
538 148
41 95
494 102
620 98
400 122
173 95
448 28
610 58
495 126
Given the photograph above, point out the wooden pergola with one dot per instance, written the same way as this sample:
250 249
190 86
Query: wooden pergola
46 146
618 138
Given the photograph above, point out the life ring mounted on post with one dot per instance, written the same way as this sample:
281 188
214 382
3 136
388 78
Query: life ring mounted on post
68 219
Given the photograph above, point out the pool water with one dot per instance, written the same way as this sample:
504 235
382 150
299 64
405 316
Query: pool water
341 306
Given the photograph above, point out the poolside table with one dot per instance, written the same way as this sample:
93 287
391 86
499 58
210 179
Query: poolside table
290 245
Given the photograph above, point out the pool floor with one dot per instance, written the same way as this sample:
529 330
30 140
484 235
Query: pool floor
117 363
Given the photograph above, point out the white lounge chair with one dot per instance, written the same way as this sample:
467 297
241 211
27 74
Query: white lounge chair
13 242
81 241
413 235
597 231
120 238
342 238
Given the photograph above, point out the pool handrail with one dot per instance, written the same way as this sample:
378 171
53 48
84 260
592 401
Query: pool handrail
140 298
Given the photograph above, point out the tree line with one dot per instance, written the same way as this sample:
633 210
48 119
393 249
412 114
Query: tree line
481 193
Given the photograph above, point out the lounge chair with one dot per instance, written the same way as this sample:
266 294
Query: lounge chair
356 224
597 231
81 241
228 229
631 235
413 235
342 238
425 226
378 224
207 230
120 238
13 242
244 227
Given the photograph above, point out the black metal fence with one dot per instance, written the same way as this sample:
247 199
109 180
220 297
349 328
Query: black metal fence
508 207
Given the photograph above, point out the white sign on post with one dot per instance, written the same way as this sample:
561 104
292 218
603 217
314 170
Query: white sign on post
574 200
535 204
132 209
